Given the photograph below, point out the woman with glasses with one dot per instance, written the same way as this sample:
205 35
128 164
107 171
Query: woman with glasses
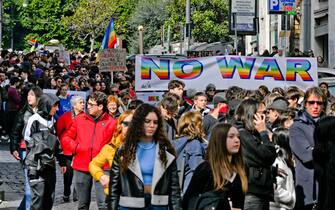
106 154
144 171
302 145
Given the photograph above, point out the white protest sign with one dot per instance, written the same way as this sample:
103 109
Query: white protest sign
152 98
154 74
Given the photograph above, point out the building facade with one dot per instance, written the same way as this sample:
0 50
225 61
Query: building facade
308 30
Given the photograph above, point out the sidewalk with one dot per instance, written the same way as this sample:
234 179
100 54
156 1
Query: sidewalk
12 175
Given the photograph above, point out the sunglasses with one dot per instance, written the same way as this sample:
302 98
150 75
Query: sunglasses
125 123
315 102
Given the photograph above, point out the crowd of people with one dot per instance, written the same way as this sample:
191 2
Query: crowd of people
211 149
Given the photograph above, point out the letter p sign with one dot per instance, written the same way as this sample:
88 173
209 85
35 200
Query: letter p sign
274 5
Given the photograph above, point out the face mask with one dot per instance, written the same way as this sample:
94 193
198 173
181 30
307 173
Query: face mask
224 109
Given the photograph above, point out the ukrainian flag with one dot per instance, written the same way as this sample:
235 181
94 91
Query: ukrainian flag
109 40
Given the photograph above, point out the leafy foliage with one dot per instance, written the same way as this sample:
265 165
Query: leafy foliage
151 14
209 19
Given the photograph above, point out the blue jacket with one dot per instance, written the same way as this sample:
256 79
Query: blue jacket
302 145
190 153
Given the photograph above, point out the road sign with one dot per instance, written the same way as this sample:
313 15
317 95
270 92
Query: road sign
282 7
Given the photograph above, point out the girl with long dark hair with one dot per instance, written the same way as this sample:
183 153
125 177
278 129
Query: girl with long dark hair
144 171
284 193
222 171
259 154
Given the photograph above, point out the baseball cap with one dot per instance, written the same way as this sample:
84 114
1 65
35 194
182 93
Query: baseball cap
219 98
279 104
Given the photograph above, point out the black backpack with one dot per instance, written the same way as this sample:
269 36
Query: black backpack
209 201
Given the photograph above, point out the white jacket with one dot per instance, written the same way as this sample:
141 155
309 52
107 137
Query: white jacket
284 193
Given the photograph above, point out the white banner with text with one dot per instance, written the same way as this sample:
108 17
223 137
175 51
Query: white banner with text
154 73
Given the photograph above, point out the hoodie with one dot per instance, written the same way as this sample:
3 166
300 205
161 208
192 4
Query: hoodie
39 134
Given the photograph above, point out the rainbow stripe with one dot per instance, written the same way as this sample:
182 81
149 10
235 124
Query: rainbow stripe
148 65
300 67
228 69
178 69
109 40
269 68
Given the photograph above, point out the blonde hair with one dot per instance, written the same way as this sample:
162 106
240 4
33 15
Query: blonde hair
190 124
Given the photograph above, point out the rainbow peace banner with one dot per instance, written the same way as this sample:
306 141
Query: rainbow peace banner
154 73
110 36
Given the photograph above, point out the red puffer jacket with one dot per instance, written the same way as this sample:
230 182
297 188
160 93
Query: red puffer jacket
85 138
63 124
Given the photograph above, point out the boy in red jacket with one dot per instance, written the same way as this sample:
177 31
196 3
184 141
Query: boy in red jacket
88 133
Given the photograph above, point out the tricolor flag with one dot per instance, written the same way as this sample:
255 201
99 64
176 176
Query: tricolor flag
110 36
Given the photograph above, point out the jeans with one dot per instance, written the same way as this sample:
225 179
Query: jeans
83 184
26 201
253 202
148 205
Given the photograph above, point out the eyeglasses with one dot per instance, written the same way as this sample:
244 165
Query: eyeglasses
125 123
91 104
315 102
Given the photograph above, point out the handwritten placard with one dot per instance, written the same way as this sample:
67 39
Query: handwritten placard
112 60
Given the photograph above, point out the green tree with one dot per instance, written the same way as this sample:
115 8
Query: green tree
151 14
41 19
91 18
209 19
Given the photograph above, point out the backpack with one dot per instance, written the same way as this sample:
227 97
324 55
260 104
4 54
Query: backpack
183 159
208 201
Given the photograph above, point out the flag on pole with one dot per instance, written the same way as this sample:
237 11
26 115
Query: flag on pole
109 40
34 47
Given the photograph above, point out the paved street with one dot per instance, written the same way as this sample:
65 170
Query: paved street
12 175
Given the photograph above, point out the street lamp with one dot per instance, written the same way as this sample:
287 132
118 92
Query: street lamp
140 38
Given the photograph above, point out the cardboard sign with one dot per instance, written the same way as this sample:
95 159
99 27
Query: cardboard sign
112 60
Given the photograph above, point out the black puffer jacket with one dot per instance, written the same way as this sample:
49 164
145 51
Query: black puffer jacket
41 141
259 154
127 189
20 121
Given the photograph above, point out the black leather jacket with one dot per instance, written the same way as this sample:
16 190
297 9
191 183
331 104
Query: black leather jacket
127 189
259 154
20 121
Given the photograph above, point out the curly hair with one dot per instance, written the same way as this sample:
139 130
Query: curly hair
136 131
